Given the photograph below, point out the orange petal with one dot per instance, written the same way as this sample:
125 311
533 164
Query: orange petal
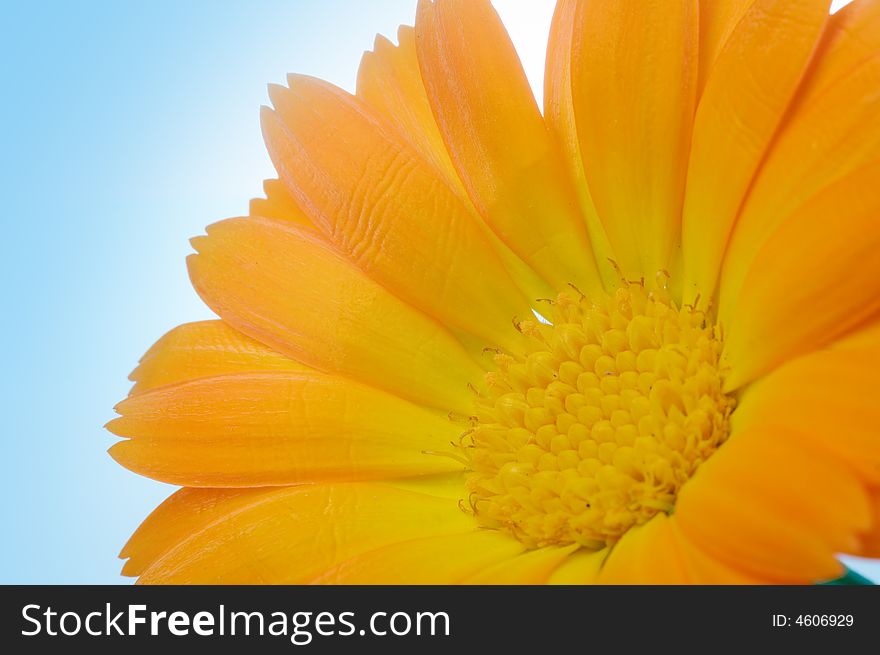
446 559
703 569
582 567
202 349
646 554
768 505
183 513
815 278
829 398
388 210
659 553
292 291
718 19
532 567
389 80
559 114
818 145
497 139
871 539
279 204
292 534
851 38
264 429
750 86
634 75
866 335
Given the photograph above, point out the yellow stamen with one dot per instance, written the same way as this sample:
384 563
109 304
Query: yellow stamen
596 428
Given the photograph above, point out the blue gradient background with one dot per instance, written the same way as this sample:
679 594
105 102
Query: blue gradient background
126 128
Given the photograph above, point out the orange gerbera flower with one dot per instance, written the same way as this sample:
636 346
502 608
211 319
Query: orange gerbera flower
695 223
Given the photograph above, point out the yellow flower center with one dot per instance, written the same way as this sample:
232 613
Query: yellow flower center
597 427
